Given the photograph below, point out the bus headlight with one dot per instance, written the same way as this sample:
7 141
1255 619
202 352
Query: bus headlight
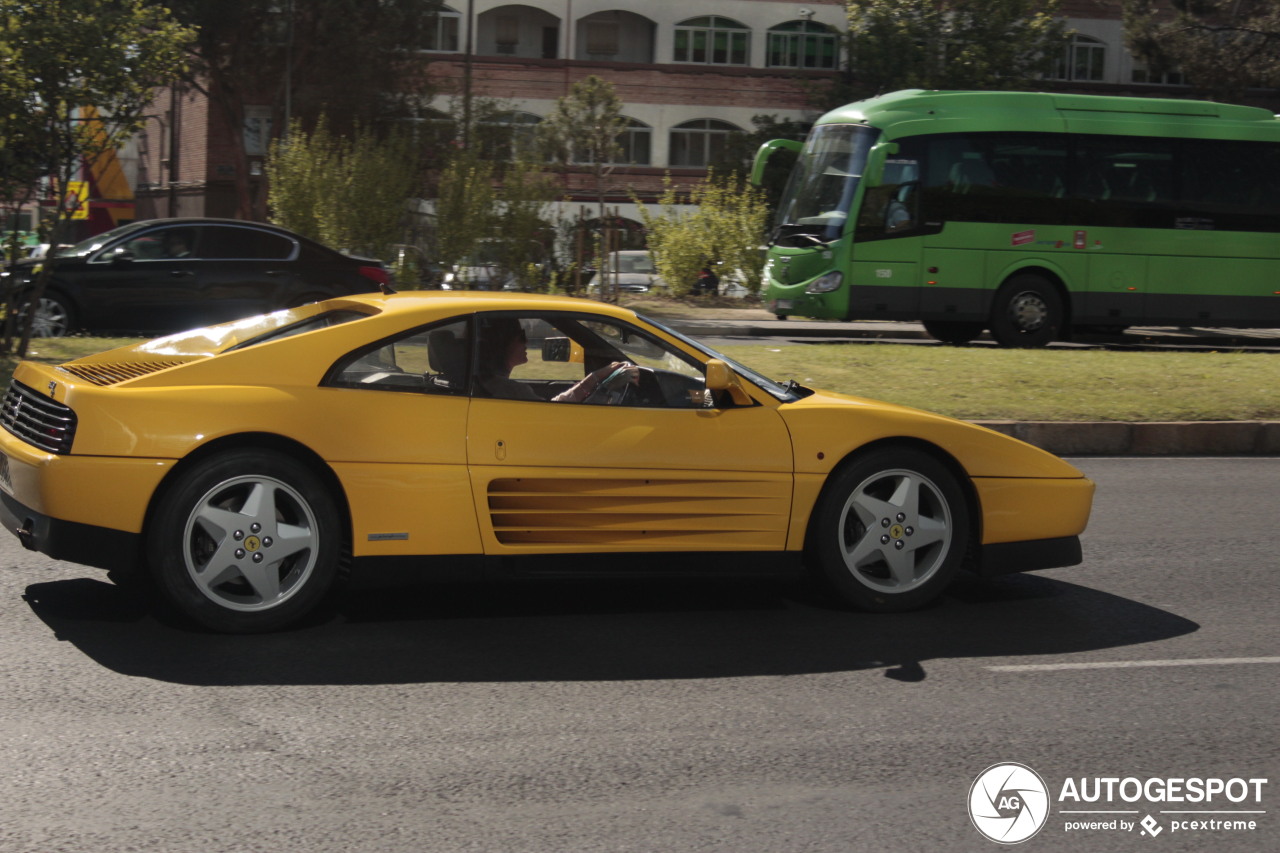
827 283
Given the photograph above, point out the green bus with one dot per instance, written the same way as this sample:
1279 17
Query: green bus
1030 215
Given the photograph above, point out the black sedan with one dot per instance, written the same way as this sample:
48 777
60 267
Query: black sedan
165 275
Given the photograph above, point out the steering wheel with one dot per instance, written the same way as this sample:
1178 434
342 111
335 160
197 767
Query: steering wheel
606 393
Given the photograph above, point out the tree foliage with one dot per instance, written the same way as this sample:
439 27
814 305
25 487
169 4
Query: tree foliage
1221 47
348 192
354 61
724 228
583 128
962 44
76 77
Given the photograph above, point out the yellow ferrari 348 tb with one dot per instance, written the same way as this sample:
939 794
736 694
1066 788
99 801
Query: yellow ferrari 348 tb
248 468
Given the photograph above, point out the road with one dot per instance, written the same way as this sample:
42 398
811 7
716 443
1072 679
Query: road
665 718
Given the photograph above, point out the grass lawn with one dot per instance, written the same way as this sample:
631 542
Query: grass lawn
983 383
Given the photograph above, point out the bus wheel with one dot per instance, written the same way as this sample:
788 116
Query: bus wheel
1027 312
953 331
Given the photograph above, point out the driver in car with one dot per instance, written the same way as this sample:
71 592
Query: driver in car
504 347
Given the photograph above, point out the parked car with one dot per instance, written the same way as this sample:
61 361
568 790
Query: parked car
163 275
247 468
632 270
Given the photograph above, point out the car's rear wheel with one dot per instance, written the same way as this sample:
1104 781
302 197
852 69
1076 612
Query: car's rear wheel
891 530
53 316
245 541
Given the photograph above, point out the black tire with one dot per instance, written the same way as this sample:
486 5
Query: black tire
54 316
245 541
953 331
1027 312
890 530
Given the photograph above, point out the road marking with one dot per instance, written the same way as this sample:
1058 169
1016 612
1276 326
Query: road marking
1126 664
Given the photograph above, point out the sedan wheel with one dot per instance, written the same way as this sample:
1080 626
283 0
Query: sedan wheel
247 541
891 530
52 319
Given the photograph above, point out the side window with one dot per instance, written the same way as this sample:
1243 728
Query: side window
236 243
161 244
431 361
565 358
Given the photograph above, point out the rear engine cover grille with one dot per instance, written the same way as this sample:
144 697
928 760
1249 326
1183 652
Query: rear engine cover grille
110 374
38 420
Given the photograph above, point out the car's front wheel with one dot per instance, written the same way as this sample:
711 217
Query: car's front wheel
245 541
891 530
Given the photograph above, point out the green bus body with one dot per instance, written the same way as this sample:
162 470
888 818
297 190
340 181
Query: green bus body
1029 214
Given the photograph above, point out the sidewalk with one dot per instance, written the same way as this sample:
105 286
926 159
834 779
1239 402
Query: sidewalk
1083 438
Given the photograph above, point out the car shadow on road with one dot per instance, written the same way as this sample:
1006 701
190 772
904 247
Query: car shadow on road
597 631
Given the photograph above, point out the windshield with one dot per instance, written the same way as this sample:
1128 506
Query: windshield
787 393
98 241
820 191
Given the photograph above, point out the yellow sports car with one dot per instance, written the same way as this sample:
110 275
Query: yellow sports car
249 467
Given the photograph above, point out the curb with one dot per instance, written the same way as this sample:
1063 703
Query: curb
1062 438
1157 438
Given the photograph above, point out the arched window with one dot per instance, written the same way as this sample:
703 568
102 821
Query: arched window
803 44
1083 60
697 143
712 40
505 136
441 32
635 144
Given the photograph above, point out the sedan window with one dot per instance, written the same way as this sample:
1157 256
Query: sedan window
230 242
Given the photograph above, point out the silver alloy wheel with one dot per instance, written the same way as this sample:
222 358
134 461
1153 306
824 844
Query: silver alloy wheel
250 543
1028 311
51 320
895 531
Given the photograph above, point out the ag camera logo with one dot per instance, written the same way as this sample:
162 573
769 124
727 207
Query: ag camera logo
1008 803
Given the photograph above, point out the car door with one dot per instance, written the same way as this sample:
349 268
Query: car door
138 283
669 473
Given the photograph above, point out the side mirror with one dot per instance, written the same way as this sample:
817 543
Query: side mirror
720 379
873 174
766 151
562 350
121 256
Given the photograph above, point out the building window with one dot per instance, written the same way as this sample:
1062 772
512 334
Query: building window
1084 60
441 32
698 143
507 34
712 40
635 144
602 39
507 136
803 44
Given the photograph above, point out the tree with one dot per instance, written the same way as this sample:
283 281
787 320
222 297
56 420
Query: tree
356 61
84 73
962 44
1221 47
719 222
583 129
348 192
464 208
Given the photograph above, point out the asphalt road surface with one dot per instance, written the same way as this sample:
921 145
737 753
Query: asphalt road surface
678 718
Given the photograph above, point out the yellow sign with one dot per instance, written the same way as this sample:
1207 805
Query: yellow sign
78 199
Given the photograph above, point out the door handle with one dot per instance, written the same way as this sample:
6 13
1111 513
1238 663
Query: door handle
181 273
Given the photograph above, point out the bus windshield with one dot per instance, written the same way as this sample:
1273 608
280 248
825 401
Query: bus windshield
820 191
